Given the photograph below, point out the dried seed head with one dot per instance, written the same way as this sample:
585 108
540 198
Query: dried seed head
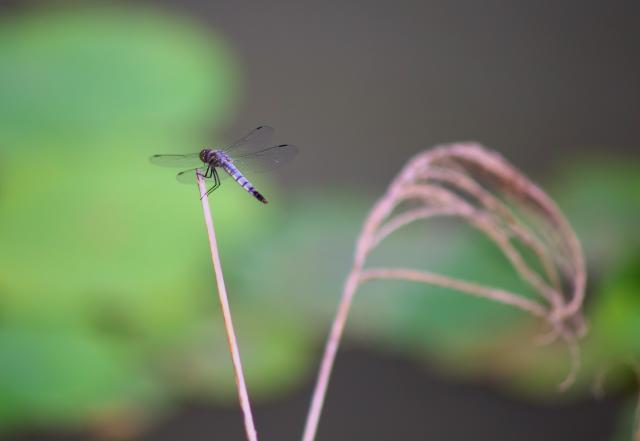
480 187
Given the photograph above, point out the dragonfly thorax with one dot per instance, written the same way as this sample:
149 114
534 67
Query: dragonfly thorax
214 157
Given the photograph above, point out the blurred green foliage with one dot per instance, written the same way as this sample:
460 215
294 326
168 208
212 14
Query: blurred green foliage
71 77
106 300
106 294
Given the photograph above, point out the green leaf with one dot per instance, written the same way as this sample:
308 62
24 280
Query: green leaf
70 78
66 377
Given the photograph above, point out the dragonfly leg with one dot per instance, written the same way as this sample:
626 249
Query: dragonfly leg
216 180
206 173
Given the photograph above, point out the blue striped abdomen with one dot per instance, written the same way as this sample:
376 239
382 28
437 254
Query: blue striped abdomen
237 176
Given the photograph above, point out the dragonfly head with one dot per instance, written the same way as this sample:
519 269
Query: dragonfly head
206 155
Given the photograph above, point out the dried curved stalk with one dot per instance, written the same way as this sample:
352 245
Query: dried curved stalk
478 186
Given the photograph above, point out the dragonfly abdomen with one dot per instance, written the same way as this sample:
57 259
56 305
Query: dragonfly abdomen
244 182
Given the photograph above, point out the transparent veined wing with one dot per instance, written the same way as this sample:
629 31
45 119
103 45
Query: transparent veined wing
189 176
188 160
266 159
258 139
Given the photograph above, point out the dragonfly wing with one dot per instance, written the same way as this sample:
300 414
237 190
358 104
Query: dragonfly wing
266 159
192 159
258 139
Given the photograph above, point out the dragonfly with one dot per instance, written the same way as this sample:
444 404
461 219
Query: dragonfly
252 153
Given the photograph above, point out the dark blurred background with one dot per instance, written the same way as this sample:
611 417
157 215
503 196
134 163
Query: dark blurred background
109 325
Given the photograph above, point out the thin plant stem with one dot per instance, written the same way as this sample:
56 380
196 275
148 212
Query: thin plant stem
358 276
328 359
243 395
475 289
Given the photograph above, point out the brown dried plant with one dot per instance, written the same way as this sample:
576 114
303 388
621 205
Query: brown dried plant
469 182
